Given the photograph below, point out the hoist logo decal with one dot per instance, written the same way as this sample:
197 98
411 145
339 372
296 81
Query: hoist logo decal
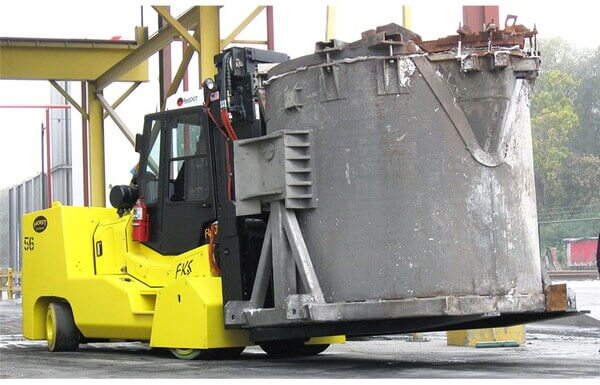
181 101
40 223
184 268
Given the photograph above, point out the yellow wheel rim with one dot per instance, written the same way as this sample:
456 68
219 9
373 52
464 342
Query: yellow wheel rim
185 354
50 328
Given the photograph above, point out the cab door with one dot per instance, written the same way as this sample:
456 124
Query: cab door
176 179
188 190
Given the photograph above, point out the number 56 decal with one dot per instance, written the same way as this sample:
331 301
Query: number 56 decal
28 243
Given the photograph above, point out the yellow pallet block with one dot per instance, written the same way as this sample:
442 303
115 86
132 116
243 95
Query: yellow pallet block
494 337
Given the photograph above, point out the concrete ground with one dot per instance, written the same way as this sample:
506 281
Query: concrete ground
567 350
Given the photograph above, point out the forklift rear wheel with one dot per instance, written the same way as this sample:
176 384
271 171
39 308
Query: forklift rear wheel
208 354
292 349
61 333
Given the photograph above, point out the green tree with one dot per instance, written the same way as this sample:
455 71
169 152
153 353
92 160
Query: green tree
553 119
586 140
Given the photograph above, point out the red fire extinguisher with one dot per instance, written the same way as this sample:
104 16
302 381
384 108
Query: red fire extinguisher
140 221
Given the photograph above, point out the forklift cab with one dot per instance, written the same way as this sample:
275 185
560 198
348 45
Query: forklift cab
176 178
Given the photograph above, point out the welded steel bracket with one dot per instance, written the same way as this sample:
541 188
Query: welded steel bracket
284 258
274 167
455 113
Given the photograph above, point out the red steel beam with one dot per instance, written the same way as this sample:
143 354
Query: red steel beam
270 29
475 16
48 159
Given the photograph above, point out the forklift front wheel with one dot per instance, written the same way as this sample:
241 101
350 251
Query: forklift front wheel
186 354
284 349
61 333
208 354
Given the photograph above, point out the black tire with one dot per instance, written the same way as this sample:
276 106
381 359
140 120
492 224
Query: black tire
61 333
283 349
208 354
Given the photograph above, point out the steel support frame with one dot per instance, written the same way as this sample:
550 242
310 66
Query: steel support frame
159 40
65 59
121 98
115 117
208 29
284 257
96 147
236 31
86 122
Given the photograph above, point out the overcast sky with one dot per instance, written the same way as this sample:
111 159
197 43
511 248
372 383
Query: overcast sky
298 24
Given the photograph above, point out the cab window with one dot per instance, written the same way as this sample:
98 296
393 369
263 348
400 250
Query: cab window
188 162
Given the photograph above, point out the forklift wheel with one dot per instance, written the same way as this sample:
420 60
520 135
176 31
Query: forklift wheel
61 333
292 349
208 354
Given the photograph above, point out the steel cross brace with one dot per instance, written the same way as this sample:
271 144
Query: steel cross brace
283 257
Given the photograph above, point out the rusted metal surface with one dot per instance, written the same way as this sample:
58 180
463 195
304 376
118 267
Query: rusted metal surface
477 16
490 38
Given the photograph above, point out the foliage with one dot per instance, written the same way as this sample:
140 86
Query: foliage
565 116
553 120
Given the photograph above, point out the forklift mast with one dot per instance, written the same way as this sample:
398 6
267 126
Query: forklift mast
185 172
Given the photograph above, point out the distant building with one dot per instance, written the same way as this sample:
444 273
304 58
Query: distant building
582 251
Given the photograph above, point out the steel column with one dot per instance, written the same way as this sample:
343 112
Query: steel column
406 16
208 30
330 23
270 29
84 146
96 148
188 52
48 159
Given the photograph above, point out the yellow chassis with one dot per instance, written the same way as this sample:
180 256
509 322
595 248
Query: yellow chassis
119 289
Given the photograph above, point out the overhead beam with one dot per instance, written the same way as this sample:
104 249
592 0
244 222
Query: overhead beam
164 36
68 97
225 42
68 59
163 11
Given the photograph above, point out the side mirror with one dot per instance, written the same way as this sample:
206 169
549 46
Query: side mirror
138 143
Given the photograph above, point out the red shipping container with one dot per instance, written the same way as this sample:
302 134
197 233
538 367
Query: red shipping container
582 251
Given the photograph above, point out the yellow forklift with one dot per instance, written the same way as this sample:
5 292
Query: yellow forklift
155 268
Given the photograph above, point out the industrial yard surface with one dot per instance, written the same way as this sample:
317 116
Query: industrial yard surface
567 350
